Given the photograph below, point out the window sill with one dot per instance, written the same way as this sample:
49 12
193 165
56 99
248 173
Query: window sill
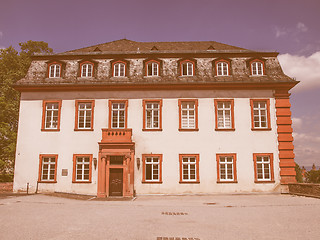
227 181
225 129
49 130
271 181
146 182
152 129
81 182
47 181
188 130
79 129
261 129
185 182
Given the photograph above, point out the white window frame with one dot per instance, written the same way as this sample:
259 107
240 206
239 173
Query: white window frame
86 70
222 68
188 121
50 116
224 165
257 68
87 115
52 161
116 115
154 163
54 71
82 166
187 164
152 115
188 66
265 163
260 114
154 69
224 119
119 70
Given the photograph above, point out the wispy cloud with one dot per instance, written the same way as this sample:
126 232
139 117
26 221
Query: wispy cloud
293 31
304 69
302 27
280 32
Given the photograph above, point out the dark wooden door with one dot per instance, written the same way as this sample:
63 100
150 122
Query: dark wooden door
116 182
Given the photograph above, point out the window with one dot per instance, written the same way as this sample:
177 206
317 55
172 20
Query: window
152 111
260 114
82 168
188 117
54 71
189 168
152 168
51 115
48 168
152 68
226 168
263 167
222 68
187 68
257 68
118 113
224 114
84 114
119 69
86 70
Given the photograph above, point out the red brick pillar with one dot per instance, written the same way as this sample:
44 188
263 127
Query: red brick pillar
101 177
285 139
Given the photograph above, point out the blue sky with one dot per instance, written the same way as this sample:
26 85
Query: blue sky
290 27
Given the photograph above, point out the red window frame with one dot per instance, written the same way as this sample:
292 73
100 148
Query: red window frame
228 66
43 125
125 68
54 63
87 62
144 103
193 68
234 155
146 68
270 155
126 113
263 67
180 101
76 125
144 156
197 156
216 101
41 165
253 128
74 174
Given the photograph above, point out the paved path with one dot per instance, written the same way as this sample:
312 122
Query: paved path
157 217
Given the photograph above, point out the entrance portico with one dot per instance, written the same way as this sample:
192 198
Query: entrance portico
116 163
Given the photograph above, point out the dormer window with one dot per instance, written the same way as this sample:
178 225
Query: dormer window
152 69
86 70
187 68
119 69
54 71
222 68
257 68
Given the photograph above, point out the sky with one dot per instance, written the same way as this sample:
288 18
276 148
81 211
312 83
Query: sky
290 27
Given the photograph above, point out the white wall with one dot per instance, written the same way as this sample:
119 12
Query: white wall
170 142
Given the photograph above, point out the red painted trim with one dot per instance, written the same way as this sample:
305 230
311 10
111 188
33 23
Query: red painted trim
270 155
263 67
180 101
74 180
216 67
48 69
76 125
146 68
43 125
40 168
234 155
125 68
144 156
126 112
268 128
86 62
193 67
144 102
216 101
197 156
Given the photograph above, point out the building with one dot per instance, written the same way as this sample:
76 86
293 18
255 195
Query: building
128 117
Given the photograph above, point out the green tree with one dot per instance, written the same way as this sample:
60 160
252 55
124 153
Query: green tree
13 67
313 176
298 173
